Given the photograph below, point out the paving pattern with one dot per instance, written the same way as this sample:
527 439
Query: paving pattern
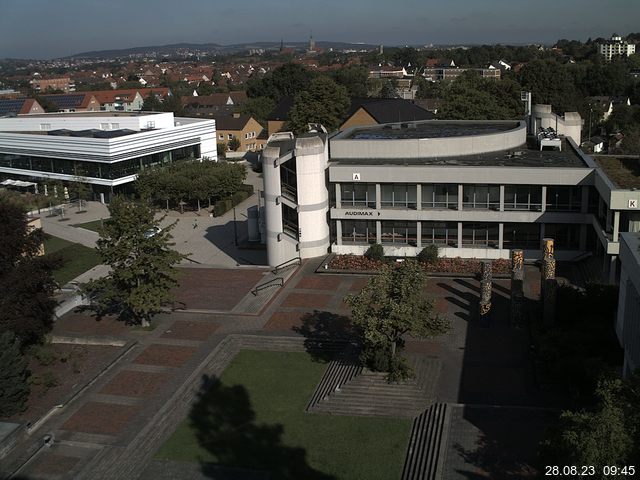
150 390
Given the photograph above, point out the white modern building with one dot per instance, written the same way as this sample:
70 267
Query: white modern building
477 189
628 321
615 46
103 149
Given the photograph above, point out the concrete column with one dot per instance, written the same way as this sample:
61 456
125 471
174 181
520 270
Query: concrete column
544 199
378 197
459 234
541 234
500 236
582 242
418 197
378 231
484 312
419 234
616 225
501 199
338 196
549 284
460 195
338 232
612 269
516 305
584 204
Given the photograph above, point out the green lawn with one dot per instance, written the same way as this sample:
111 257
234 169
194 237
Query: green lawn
277 387
76 258
93 225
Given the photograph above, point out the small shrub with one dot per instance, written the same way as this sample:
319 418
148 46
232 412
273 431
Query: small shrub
375 252
428 254
376 358
239 197
247 188
44 354
221 207
49 380
399 370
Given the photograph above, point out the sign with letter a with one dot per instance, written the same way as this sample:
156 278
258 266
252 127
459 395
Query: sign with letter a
356 177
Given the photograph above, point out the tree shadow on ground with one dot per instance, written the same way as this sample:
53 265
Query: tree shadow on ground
506 445
327 334
225 426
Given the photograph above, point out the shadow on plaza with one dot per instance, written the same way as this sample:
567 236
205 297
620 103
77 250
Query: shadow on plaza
225 426
506 445
326 334
233 242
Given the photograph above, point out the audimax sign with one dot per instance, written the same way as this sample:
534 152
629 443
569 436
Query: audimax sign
360 213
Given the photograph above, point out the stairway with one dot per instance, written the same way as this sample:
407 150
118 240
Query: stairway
369 394
425 453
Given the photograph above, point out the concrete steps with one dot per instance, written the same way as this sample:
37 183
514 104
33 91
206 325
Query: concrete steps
425 453
368 393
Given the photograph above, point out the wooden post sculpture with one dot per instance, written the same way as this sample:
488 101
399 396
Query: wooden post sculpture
549 285
516 310
485 290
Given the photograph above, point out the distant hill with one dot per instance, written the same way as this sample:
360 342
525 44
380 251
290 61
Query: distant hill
213 48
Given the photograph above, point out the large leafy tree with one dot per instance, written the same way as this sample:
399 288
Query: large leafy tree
142 264
608 433
550 83
392 305
286 80
259 108
355 79
26 281
14 389
324 102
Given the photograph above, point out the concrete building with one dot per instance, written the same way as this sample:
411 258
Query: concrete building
43 84
615 46
477 189
628 320
105 150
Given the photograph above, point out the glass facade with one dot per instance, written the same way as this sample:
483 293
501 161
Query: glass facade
566 236
109 171
440 233
289 180
399 233
358 195
521 235
289 221
562 198
443 195
523 197
480 235
358 232
402 195
482 197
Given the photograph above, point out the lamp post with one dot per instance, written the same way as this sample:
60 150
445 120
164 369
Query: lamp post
235 228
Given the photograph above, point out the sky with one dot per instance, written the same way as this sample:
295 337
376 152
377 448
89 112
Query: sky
55 28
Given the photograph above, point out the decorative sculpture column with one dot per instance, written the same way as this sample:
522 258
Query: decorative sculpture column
485 290
516 313
549 284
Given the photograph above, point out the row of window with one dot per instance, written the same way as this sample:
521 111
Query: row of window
247 136
110 171
445 196
479 235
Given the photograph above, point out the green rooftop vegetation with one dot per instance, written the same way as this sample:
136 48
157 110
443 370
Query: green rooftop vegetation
624 172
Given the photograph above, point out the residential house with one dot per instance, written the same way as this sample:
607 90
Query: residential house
243 127
19 106
371 111
213 105
614 47
74 102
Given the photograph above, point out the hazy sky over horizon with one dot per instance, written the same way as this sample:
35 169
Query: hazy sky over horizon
55 28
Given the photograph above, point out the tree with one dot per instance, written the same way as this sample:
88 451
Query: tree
286 80
607 433
152 103
324 102
389 89
141 260
26 281
234 144
392 305
14 389
259 108
550 83
354 79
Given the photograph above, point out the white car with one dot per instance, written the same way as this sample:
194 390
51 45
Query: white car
152 232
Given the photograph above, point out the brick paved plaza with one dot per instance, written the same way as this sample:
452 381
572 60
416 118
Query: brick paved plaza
118 417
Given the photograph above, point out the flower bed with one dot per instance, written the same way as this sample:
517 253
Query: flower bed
442 265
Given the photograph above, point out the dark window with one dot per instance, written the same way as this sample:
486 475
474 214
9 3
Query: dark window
523 197
440 196
396 232
562 198
440 233
401 195
565 236
358 231
358 195
482 197
290 221
521 235
480 235
289 180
